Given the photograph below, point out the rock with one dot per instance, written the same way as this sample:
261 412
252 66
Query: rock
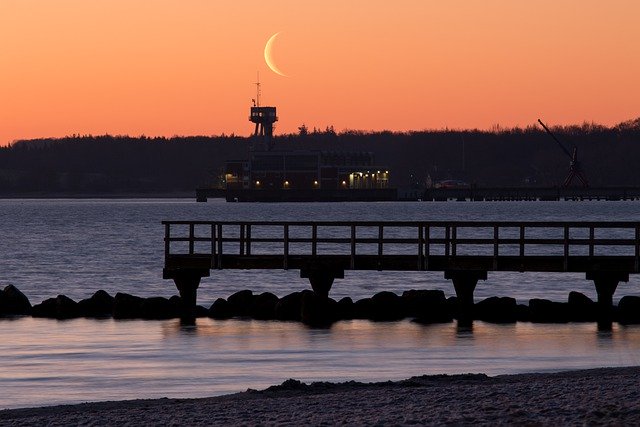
241 303
545 311
629 310
100 304
289 307
158 308
345 309
522 313
317 311
177 303
127 306
581 308
417 302
497 310
386 306
200 311
264 306
61 307
66 308
47 308
427 306
220 309
452 304
13 302
363 308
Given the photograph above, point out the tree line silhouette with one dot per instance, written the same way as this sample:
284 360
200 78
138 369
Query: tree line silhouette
510 157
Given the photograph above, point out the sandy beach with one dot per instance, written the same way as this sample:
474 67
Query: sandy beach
595 396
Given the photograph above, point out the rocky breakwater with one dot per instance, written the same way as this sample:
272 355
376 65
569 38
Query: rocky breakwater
423 306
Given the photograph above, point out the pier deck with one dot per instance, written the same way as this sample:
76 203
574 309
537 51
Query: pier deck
607 252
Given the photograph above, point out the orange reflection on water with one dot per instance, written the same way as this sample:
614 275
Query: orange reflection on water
48 362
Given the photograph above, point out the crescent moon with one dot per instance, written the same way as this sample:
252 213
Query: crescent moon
268 58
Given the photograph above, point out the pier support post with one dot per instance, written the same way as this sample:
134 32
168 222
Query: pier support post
464 283
606 283
187 282
321 278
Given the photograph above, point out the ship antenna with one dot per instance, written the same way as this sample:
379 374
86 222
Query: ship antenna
258 89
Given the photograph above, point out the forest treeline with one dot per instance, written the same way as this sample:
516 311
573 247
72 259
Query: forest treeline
111 165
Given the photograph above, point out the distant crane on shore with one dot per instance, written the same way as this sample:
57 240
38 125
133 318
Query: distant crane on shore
575 169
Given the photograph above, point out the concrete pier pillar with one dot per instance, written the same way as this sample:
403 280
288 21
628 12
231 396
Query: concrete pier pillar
606 283
464 283
321 278
187 282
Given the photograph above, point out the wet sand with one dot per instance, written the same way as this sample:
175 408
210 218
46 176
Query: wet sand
595 396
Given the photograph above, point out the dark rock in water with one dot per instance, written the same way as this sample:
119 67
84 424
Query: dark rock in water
386 306
61 307
452 304
127 306
496 310
345 309
264 306
317 311
158 308
427 306
99 304
47 308
522 313
200 311
629 310
582 308
363 308
545 311
13 302
289 307
67 308
177 303
241 303
220 309
417 302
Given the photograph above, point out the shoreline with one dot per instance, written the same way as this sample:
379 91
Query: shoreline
593 396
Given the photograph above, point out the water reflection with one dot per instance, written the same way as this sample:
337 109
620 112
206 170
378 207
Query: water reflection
47 362
464 329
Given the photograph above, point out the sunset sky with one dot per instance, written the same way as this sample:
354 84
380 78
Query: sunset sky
188 67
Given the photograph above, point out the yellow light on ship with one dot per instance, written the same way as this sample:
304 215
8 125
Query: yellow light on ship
286 184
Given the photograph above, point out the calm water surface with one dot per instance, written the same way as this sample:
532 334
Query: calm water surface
75 247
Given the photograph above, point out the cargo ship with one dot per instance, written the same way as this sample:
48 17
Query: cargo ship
272 175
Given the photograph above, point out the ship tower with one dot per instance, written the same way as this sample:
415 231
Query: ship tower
264 118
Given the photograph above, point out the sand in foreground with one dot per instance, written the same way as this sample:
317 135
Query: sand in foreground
595 396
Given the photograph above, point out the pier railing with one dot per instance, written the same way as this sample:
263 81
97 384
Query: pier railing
422 246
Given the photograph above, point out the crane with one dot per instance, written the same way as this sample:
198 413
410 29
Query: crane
575 170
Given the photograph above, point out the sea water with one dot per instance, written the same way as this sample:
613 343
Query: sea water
76 247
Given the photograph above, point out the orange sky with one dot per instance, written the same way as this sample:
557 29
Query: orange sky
184 67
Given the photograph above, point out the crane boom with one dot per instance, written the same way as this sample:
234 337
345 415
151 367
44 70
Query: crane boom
556 139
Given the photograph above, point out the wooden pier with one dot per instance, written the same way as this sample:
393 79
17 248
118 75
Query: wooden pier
606 252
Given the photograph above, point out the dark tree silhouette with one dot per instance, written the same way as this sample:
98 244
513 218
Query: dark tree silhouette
118 165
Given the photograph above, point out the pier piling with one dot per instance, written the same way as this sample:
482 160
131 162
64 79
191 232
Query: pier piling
606 283
187 282
464 283
321 278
